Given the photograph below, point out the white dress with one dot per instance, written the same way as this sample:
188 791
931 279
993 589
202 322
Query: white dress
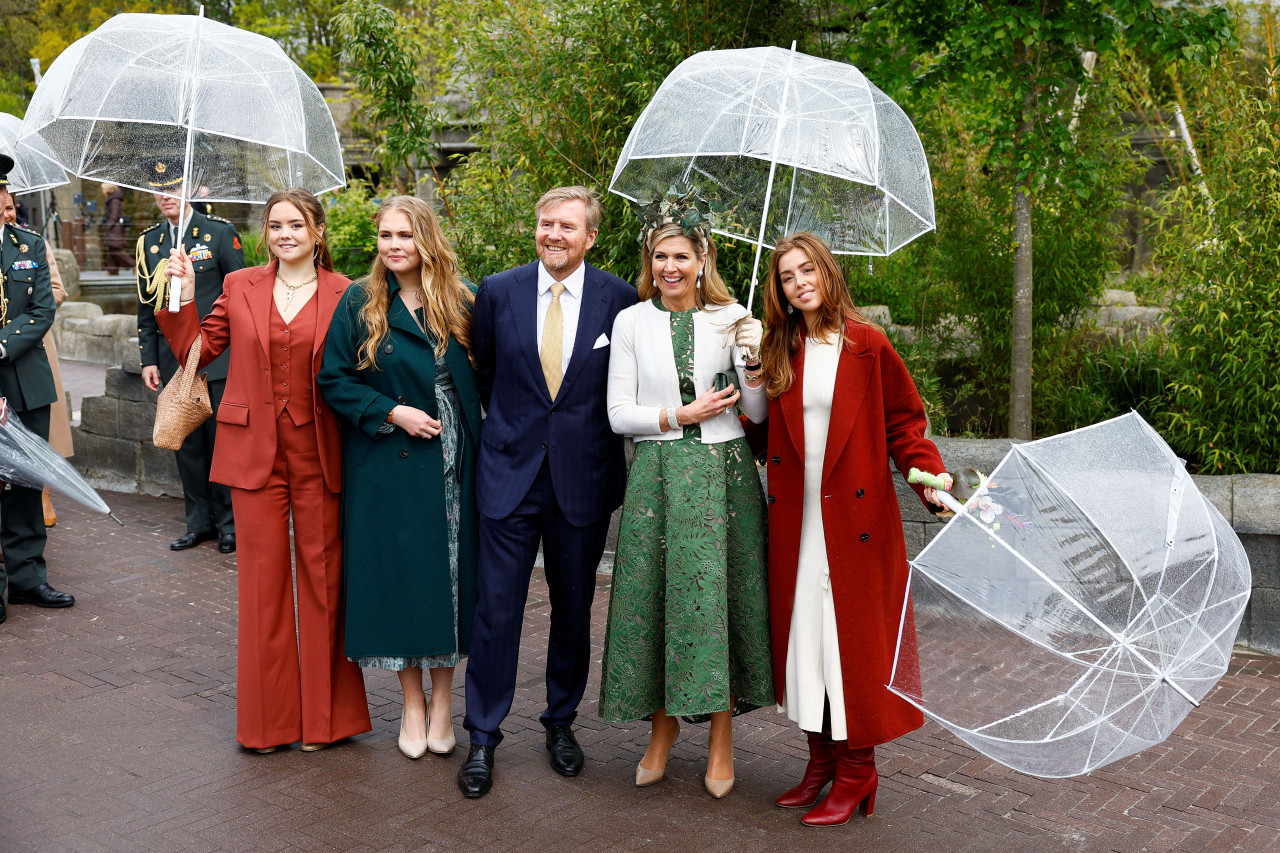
813 651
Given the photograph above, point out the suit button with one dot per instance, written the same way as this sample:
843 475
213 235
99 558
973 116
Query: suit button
400 400
777 460
389 348
864 537
860 493
770 498
544 445
404 454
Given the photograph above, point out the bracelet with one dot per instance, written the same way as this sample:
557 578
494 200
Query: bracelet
672 421
390 413
755 366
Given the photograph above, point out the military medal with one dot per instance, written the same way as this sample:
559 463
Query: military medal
208 238
23 248
155 249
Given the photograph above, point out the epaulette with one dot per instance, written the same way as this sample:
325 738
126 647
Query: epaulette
152 228
16 227
219 219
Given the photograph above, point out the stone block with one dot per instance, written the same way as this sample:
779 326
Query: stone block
1264 559
100 415
902 334
1135 315
878 314
78 310
136 420
1246 626
128 386
1217 490
114 325
913 535
128 356
69 270
1256 503
964 453
159 472
1115 297
100 349
1264 621
106 462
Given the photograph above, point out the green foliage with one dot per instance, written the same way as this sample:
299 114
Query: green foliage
1088 379
1219 258
560 86
349 229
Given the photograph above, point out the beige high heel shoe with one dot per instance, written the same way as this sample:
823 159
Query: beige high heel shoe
440 745
411 747
646 777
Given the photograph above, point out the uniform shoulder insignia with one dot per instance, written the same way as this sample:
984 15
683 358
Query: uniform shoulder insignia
17 227
220 219
152 228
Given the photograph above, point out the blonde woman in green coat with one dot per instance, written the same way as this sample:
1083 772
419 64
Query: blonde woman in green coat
397 370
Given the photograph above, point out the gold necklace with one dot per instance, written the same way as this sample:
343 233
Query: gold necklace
294 288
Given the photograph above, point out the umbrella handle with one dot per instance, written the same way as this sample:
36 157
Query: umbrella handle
175 294
933 481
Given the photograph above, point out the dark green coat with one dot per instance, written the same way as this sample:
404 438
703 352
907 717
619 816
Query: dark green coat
394 532
25 378
214 248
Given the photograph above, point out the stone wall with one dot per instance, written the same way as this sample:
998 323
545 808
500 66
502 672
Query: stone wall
1251 502
83 333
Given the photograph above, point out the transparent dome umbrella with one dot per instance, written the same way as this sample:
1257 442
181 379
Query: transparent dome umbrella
27 460
181 95
791 143
35 168
1077 607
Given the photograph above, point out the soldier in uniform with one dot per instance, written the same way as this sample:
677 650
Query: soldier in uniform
26 383
214 248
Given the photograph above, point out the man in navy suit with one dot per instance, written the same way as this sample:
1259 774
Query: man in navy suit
550 470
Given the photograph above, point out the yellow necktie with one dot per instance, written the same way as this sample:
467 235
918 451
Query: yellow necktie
553 342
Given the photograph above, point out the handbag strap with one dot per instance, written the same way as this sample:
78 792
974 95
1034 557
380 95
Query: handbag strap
189 368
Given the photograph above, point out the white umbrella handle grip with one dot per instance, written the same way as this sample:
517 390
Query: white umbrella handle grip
175 294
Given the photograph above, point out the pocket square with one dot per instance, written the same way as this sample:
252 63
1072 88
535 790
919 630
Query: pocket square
602 341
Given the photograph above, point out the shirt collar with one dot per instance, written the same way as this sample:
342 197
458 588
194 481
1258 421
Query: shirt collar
573 283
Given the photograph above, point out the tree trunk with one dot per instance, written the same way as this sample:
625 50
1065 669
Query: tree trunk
1020 369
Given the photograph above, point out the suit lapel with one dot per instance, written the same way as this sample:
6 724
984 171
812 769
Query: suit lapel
258 294
523 302
853 375
327 296
792 404
591 313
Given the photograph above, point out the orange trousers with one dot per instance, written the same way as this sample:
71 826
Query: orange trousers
293 684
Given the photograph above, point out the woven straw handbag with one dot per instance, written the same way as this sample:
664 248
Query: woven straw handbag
183 404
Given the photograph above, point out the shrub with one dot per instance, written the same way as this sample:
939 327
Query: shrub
352 237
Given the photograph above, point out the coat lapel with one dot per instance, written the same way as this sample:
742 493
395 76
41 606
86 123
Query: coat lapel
853 375
398 316
328 294
792 404
8 251
523 301
258 295
591 314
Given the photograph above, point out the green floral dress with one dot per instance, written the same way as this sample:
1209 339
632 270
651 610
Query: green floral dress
688 623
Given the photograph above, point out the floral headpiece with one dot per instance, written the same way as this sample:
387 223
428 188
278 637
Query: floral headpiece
684 206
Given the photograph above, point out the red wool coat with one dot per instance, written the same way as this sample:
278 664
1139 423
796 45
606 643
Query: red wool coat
876 414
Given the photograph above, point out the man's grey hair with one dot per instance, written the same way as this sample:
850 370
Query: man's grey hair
589 198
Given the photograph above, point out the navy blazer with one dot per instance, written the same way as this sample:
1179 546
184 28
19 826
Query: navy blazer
523 426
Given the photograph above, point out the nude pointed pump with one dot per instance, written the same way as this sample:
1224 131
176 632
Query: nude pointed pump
440 745
718 788
411 747
646 777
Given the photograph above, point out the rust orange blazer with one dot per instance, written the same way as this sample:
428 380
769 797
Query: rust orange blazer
876 414
239 321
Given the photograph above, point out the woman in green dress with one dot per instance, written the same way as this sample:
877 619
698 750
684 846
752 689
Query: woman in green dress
397 370
688 630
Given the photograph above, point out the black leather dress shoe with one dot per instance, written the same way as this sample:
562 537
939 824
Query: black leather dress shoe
227 543
41 596
190 540
475 777
566 755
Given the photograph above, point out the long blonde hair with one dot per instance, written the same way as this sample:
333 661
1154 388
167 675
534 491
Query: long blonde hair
713 290
446 300
785 331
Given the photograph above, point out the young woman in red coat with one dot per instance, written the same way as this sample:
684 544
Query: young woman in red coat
841 403
279 450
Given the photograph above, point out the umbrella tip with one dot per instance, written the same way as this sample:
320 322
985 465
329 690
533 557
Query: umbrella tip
116 520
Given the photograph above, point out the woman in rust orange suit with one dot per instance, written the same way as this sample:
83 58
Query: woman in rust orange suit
279 450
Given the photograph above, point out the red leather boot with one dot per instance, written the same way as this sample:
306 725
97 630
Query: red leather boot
820 770
854 787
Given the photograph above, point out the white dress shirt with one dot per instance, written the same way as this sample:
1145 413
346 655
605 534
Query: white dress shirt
570 306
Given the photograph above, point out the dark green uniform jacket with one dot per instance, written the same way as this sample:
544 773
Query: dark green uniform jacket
25 378
395 534
214 249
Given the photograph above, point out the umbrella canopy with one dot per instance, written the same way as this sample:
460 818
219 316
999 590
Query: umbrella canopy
27 460
221 105
35 167
791 142
1079 604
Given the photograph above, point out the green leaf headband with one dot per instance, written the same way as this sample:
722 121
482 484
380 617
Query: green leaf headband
684 206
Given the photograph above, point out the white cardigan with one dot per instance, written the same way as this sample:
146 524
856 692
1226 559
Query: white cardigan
643 379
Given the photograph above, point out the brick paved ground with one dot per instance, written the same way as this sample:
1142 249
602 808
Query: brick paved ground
117 733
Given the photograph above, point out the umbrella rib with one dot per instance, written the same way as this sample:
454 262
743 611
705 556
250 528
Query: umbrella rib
773 167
